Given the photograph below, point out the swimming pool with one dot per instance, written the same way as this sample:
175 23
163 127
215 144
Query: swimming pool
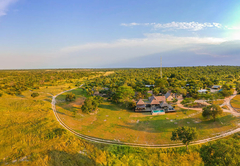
158 112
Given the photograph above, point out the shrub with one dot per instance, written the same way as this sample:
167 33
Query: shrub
55 133
35 95
70 97
91 104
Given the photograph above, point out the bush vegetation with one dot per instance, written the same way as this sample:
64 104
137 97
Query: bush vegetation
91 104
29 129
35 95
70 97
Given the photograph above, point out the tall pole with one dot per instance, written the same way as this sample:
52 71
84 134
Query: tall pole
161 68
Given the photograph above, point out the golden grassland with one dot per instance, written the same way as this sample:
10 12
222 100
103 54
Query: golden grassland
235 102
30 134
114 122
29 129
225 107
218 102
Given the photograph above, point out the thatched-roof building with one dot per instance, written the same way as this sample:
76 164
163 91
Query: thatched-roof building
153 103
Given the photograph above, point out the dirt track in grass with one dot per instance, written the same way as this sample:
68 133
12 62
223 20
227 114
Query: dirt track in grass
114 122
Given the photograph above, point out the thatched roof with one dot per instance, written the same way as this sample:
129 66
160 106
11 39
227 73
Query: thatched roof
160 98
154 101
140 102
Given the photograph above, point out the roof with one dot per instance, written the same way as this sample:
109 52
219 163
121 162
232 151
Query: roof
164 104
149 86
201 91
151 98
140 102
216 86
170 107
167 94
141 106
150 91
160 98
154 101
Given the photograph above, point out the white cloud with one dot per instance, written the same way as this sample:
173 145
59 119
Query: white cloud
153 41
113 52
233 27
194 26
4 4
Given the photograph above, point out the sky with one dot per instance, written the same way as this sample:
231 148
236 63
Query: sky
116 34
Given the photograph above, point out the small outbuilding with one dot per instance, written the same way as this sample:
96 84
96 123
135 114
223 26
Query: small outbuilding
216 87
203 91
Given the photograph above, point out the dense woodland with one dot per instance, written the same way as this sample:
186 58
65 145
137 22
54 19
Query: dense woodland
15 82
184 81
34 132
178 79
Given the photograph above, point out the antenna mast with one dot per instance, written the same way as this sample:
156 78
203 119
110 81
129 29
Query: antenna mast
161 68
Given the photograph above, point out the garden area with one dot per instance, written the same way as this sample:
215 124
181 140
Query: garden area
115 122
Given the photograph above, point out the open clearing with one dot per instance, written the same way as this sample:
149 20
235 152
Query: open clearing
235 102
115 122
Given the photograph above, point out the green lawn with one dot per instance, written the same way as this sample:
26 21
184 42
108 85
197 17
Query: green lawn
115 122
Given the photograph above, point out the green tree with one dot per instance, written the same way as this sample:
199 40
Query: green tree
237 87
132 105
70 97
91 104
35 94
156 90
174 100
184 134
212 110
139 96
221 152
124 94
0 94
99 99
88 106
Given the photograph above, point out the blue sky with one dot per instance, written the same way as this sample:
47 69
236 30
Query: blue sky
126 33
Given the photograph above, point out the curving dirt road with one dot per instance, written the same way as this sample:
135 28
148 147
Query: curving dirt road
111 142
227 102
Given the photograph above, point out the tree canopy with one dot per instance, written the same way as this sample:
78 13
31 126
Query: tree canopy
212 110
221 152
184 134
70 97
91 104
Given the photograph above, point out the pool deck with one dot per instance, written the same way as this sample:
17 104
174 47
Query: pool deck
158 113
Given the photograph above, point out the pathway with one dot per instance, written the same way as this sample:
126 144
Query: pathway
227 102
